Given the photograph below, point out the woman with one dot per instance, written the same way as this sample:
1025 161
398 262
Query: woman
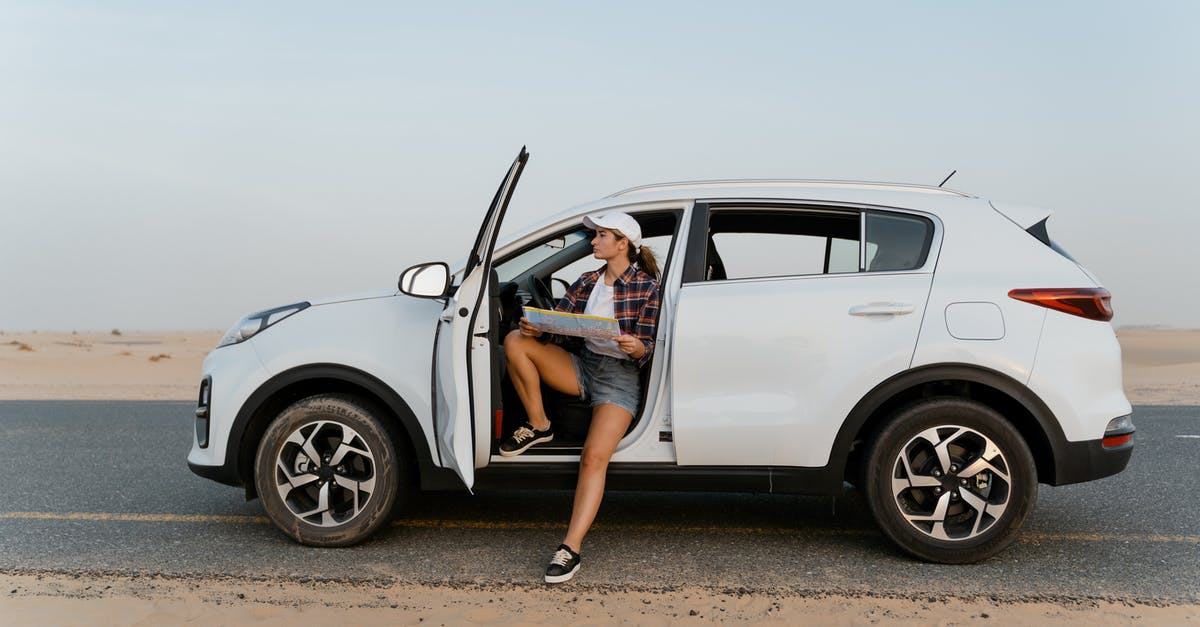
604 372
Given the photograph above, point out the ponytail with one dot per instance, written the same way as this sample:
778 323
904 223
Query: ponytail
641 256
645 260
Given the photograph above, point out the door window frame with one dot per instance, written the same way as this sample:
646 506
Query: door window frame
574 225
696 252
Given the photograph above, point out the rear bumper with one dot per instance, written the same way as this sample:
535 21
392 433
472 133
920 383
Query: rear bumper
1088 460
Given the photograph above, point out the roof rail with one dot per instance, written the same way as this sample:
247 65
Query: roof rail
790 183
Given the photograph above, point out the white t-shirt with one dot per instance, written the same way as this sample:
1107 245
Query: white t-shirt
600 303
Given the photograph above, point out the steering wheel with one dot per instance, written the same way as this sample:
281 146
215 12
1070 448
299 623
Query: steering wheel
540 293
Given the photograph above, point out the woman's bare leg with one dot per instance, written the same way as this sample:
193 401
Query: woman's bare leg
609 423
529 364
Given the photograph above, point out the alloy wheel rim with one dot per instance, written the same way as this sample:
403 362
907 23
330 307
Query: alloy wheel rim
325 473
951 483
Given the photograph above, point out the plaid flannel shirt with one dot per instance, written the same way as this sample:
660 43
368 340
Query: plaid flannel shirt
635 304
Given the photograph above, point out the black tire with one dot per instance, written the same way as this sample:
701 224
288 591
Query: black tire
360 482
980 513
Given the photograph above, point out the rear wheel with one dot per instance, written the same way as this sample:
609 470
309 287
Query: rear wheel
327 471
950 480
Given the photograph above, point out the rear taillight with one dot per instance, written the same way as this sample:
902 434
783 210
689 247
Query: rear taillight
1093 303
1113 441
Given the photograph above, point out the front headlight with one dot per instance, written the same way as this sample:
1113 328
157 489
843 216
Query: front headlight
254 324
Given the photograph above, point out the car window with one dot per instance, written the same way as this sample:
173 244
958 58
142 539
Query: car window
897 242
515 266
565 276
764 243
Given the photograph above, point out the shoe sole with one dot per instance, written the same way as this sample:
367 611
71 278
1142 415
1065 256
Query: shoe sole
548 438
563 577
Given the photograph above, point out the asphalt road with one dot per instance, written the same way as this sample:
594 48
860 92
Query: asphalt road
102 487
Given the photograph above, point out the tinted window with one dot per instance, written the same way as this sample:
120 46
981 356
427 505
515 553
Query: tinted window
763 243
897 242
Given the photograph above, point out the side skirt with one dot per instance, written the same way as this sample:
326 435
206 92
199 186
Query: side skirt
665 477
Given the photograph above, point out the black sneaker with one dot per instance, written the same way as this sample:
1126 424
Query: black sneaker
563 565
524 437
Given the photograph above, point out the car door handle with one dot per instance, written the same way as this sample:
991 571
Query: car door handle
881 309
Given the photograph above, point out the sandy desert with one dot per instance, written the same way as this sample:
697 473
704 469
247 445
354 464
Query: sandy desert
1161 366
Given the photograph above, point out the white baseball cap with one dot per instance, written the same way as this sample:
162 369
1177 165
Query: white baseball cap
617 221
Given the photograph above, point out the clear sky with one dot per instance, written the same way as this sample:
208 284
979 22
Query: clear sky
175 165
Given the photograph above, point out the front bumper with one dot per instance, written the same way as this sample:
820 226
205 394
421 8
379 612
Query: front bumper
229 376
226 473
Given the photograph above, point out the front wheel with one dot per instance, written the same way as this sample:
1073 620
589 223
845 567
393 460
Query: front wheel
950 480
327 471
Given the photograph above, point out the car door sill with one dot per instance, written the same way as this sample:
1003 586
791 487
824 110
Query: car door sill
653 476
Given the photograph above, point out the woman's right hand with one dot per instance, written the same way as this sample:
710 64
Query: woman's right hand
528 330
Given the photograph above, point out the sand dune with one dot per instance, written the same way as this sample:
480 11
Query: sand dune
102 366
1160 366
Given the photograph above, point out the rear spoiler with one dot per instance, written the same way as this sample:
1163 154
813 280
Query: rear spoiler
1032 220
1024 216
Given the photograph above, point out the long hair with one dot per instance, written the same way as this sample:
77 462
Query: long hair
643 258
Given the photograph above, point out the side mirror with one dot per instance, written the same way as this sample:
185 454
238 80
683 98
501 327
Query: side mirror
427 280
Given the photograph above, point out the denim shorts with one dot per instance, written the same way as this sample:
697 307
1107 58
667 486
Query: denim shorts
603 379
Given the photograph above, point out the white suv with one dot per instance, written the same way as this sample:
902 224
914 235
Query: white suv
935 349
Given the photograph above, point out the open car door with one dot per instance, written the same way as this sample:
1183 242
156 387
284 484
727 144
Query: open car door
462 365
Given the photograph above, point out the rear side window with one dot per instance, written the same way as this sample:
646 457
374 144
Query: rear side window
755 243
759 242
897 242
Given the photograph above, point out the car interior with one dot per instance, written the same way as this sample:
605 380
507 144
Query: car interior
538 276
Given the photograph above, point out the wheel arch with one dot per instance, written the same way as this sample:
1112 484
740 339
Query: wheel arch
1016 402
291 385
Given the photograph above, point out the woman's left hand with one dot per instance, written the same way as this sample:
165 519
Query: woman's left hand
630 345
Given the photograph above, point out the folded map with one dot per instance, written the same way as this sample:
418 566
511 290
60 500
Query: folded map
578 325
